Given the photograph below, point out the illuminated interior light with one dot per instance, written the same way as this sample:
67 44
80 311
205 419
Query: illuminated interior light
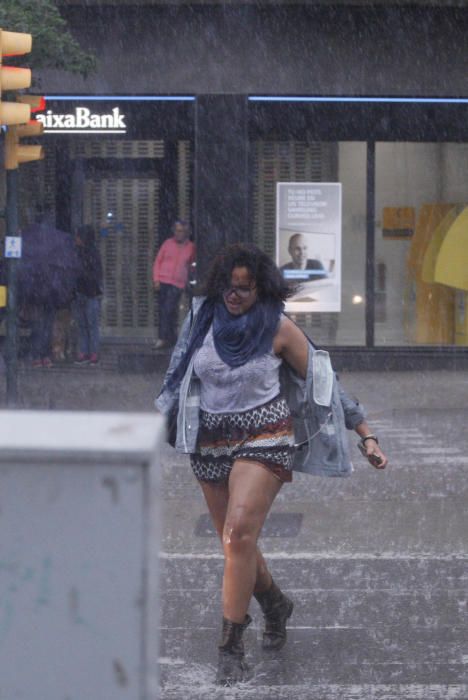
125 98
344 98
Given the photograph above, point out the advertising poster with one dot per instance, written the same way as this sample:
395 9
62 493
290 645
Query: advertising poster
308 244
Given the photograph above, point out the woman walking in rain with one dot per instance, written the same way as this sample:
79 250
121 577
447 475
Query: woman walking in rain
239 371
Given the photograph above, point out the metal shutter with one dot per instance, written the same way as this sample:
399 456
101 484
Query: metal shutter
130 307
127 250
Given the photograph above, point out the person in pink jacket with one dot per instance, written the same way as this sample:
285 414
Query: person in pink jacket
170 278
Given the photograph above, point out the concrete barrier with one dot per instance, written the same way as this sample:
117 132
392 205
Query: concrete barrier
79 543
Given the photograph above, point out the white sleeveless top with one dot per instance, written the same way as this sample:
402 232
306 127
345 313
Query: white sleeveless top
227 389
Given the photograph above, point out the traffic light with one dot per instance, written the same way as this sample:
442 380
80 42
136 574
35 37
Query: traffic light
16 152
12 78
15 113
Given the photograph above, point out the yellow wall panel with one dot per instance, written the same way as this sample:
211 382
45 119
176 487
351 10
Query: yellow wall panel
433 248
429 217
452 262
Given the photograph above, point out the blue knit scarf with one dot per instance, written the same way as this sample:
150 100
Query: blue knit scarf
237 339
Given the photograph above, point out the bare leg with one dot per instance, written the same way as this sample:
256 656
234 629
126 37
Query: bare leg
217 498
252 490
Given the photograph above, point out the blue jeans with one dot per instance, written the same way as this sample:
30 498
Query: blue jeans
87 312
41 333
169 297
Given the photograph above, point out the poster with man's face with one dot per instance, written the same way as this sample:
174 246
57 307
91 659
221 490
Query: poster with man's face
308 244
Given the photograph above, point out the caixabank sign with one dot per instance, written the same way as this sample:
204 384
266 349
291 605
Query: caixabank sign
83 120
121 116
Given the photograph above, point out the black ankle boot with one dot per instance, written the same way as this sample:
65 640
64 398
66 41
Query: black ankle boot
231 664
277 608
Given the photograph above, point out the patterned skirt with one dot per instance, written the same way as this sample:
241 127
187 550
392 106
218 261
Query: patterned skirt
263 434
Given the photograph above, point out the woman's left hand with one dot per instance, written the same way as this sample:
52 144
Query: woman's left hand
374 454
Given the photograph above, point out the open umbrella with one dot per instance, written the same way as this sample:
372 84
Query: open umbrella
49 267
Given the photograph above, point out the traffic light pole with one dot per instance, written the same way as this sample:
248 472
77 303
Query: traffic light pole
12 299
15 114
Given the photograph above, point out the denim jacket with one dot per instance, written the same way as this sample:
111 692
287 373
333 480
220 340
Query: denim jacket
320 408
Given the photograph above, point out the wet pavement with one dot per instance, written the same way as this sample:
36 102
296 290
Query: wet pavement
376 564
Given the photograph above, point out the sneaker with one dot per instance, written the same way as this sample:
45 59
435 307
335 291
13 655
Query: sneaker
159 344
81 359
47 362
93 359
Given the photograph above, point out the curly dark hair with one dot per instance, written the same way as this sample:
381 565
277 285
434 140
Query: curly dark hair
269 280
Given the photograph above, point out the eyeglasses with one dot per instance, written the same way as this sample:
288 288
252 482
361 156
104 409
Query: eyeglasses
240 292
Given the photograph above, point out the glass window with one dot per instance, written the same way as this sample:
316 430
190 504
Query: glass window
297 161
421 278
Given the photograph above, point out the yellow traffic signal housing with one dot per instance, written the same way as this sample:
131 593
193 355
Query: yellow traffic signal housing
12 78
36 102
3 296
16 152
26 153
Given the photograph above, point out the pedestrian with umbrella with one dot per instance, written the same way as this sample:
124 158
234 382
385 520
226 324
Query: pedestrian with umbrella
47 278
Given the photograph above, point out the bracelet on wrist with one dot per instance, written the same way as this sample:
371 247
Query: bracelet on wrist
369 437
